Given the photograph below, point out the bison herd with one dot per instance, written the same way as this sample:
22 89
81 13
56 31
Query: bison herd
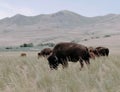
65 52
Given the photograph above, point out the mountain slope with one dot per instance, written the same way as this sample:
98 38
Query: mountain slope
62 18
61 26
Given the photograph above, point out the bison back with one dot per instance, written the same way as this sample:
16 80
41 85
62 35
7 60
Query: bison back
72 51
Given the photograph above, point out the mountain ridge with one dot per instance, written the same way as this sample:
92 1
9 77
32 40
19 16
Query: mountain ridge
64 13
62 25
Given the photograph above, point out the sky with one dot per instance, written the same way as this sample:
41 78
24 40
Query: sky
87 8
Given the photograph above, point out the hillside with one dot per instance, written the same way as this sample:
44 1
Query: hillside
61 26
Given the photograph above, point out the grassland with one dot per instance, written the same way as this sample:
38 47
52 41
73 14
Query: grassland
29 74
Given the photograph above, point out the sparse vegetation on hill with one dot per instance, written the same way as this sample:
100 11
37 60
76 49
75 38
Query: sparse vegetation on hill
47 44
107 35
27 45
63 25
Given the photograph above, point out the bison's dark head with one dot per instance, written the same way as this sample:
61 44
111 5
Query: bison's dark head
53 62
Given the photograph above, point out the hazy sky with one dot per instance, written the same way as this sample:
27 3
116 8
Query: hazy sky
34 7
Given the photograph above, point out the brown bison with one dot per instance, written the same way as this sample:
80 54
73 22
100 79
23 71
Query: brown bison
103 51
92 55
45 52
23 54
67 51
93 52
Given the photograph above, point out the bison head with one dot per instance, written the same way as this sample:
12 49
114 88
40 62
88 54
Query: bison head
53 62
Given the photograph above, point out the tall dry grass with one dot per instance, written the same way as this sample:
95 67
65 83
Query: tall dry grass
29 74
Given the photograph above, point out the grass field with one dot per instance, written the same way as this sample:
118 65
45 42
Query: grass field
29 74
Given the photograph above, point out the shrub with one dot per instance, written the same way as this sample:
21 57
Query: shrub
8 48
27 45
47 44
107 35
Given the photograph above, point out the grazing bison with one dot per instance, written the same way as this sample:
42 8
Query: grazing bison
93 52
64 52
92 55
23 54
103 51
45 52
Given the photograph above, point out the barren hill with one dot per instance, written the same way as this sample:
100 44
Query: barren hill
61 26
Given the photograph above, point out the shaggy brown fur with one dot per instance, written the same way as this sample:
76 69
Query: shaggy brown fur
67 51
45 52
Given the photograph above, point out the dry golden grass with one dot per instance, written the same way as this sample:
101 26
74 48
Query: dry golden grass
29 74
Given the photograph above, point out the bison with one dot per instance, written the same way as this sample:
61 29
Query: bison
23 54
93 52
45 52
92 55
67 51
103 51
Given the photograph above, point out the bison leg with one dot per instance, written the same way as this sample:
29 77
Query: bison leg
87 62
56 68
64 64
81 63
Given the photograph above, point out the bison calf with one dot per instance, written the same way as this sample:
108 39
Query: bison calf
93 52
23 54
45 52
